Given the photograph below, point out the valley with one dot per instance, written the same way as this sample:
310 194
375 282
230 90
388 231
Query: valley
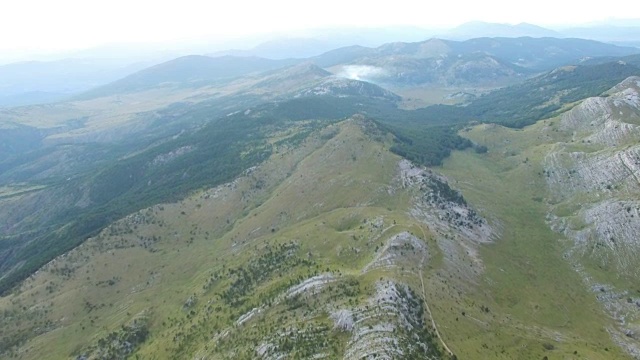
431 200
337 245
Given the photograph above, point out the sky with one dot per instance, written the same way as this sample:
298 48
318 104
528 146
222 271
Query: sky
57 25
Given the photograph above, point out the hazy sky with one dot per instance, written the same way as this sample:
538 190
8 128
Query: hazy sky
49 25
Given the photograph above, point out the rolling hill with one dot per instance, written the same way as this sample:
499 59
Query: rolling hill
188 70
306 254
243 208
479 62
484 62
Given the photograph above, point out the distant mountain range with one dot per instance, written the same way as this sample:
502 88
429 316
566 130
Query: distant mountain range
477 62
315 42
50 81
476 29
189 70
239 207
626 33
620 35
35 82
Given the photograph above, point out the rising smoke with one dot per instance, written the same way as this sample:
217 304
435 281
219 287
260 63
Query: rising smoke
363 72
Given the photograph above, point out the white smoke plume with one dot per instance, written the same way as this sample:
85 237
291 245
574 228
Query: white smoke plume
362 72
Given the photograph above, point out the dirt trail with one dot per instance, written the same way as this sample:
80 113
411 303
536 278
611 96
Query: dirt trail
424 296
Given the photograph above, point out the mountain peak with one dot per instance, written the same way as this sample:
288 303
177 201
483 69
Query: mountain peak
191 69
308 68
342 87
292 77
476 29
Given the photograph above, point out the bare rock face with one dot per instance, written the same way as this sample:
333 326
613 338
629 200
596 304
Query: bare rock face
401 249
610 121
600 185
387 327
311 286
607 231
458 228
442 207
594 183
343 319
571 173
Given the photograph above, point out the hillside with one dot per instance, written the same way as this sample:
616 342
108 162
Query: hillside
88 184
38 82
484 62
577 171
155 111
191 70
302 211
474 62
334 247
89 171
594 195
543 53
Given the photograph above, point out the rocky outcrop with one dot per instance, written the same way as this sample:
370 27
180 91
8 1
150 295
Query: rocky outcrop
601 183
609 121
607 231
388 327
311 286
594 183
442 207
342 87
570 173
401 249
458 229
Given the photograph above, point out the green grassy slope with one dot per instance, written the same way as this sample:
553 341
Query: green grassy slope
333 206
310 202
528 284
215 274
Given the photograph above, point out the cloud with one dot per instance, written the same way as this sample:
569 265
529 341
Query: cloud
363 72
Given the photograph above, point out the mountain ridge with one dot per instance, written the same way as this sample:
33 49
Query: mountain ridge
477 29
297 212
296 237
188 69
501 59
